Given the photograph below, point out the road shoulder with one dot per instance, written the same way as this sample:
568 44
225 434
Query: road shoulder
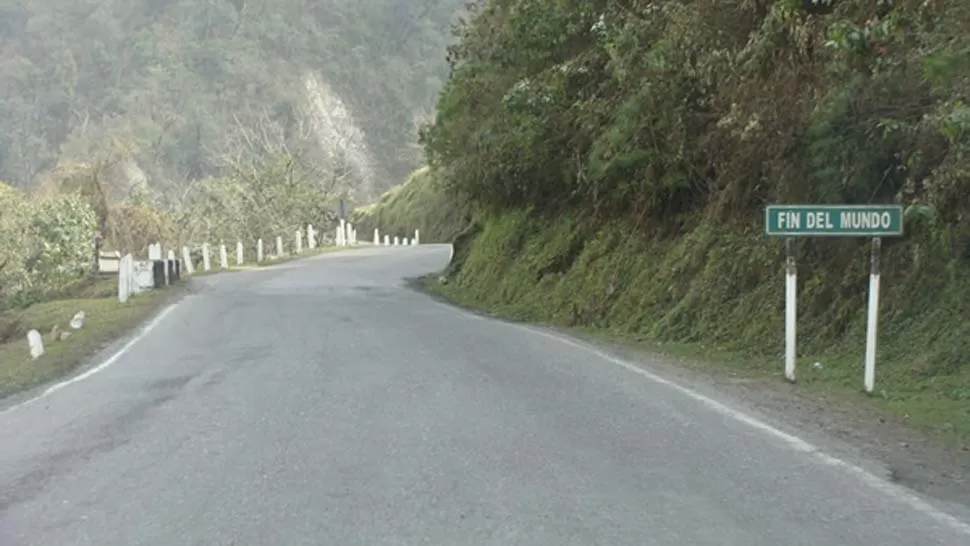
845 427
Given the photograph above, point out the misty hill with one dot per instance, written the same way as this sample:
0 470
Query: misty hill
187 88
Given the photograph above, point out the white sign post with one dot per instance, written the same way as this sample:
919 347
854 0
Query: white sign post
875 221
872 321
791 314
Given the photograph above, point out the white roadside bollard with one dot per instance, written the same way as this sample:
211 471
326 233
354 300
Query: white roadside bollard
279 246
223 257
240 254
377 237
299 241
206 264
259 250
311 237
417 237
158 252
36 343
187 261
336 239
123 279
397 241
387 240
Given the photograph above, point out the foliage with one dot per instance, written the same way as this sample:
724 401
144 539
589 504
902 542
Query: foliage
64 228
46 244
655 108
623 152
418 204
15 214
171 78
719 290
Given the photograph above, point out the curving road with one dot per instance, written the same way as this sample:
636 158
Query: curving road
324 402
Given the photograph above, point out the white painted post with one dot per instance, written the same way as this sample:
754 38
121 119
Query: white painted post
377 237
187 261
873 316
130 283
223 257
123 279
337 240
36 343
259 250
397 241
279 246
206 264
417 237
158 252
299 241
311 237
387 240
791 316
342 235
155 251
353 237
240 253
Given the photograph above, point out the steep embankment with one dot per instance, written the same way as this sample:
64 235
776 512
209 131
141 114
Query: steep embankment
417 204
619 169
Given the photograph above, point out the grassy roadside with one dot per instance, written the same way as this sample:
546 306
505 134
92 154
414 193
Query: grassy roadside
713 300
105 320
917 408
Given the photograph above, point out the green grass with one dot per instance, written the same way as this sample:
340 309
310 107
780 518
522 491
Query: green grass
715 296
419 204
105 320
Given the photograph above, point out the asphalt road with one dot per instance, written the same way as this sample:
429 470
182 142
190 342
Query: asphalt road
324 402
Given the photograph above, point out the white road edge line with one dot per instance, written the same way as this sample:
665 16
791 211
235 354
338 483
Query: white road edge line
111 360
794 442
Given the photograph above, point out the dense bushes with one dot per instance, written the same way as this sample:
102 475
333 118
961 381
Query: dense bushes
45 244
656 108
46 240
420 204
620 154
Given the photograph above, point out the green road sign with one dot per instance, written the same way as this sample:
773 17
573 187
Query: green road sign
834 220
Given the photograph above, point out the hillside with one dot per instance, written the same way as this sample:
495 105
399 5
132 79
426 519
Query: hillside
618 156
186 88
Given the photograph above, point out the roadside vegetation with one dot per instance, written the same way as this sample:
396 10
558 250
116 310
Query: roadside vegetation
420 204
617 157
